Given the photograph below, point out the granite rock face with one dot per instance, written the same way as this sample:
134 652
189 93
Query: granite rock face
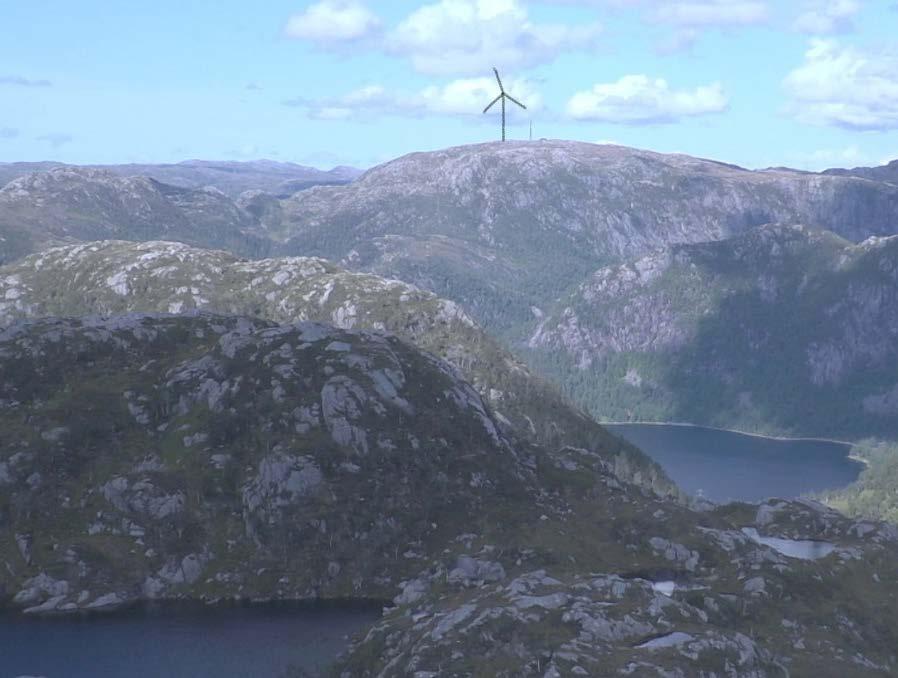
741 609
248 473
503 227
113 277
786 329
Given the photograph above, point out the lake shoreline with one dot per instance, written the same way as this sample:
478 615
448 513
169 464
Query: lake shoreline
191 604
686 424
732 465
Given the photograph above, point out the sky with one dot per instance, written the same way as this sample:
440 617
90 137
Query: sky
802 83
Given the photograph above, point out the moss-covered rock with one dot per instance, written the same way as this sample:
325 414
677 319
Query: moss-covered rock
111 277
204 456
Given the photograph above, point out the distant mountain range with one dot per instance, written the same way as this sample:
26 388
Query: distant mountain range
887 173
232 178
75 204
516 232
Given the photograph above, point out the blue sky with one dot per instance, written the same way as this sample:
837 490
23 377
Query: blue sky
805 83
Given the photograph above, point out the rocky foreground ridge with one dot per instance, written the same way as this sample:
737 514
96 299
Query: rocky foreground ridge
114 277
152 456
787 329
209 456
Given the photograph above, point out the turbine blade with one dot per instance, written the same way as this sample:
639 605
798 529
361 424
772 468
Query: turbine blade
508 96
491 103
502 89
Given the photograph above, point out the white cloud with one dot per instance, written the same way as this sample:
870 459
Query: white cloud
462 36
710 13
845 87
824 17
464 97
687 18
333 21
639 100
828 157
23 82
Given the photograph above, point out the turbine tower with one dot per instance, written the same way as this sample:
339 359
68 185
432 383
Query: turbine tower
502 96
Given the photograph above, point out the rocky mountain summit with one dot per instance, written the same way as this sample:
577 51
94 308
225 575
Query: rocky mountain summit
785 328
69 205
503 227
114 277
211 456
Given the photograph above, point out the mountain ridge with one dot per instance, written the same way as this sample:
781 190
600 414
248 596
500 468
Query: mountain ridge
232 177
115 277
789 330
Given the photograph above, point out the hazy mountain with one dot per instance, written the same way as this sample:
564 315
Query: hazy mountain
232 178
503 227
210 457
784 329
887 173
114 277
67 205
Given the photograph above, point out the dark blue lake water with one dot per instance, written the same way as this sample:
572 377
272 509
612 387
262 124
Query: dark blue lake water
726 466
181 641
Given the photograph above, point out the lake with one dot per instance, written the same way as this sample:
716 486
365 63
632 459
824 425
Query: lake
726 466
181 640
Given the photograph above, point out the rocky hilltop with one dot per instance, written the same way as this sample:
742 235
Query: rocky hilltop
143 456
209 456
786 329
114 277
503 227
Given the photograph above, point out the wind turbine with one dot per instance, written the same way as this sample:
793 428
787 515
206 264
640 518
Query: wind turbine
502 96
